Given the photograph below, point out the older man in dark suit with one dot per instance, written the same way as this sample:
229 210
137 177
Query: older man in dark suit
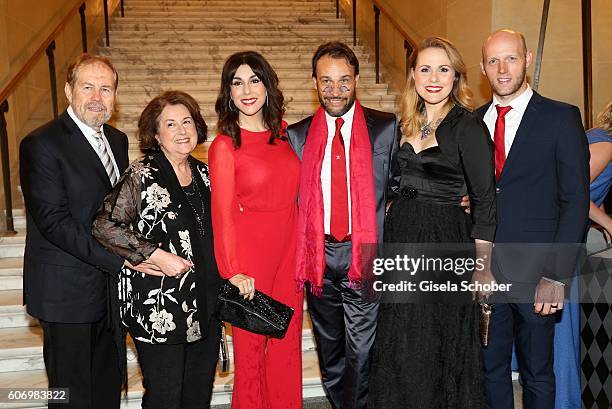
67 167
542 170
346 153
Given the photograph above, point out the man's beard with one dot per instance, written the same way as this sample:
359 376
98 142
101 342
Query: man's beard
349 104
94 119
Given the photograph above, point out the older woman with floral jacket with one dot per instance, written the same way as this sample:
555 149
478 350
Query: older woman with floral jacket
158 219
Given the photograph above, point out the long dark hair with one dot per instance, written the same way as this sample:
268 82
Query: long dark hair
273 109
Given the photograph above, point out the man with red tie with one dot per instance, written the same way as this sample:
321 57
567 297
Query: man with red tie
346 153
542 172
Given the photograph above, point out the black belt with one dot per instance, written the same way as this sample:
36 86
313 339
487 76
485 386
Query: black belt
331 239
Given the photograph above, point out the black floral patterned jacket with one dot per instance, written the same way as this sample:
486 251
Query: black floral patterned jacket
147 208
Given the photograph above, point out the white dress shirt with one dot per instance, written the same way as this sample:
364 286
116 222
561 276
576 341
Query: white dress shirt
326 169
513 117
90 135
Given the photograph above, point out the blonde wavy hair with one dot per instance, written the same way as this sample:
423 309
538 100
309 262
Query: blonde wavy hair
604 119
413 106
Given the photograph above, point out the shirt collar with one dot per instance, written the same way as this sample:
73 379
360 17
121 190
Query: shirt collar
86 129
348 116
519 104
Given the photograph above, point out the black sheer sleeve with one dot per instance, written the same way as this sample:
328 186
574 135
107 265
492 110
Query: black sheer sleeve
477 159
112 226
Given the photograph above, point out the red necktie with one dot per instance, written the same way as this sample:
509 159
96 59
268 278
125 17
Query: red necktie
339 190
499 139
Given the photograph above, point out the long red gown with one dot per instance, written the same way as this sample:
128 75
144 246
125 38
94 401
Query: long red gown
254 211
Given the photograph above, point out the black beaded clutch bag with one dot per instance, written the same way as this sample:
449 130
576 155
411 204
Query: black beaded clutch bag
261 315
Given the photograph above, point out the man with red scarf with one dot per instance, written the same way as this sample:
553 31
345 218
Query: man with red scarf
346 152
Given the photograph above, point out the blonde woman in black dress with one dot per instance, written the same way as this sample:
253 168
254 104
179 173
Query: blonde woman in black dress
427 356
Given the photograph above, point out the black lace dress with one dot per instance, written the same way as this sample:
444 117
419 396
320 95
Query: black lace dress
427 356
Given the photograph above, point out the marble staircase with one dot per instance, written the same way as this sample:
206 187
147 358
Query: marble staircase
166 44
174 44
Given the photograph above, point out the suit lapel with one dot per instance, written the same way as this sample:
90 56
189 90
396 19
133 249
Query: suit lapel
82 148
521 139
370 124
298 136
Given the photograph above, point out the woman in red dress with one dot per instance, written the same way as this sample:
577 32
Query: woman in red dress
254 178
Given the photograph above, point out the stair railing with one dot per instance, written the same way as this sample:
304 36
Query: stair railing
46 47
587 62
409 44
106 25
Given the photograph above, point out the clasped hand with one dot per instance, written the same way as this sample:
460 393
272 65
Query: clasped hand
162 263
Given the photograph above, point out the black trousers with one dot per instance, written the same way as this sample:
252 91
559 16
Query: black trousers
179 376
83 358
345 327
533 337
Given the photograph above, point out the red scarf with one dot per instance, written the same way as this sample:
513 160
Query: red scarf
311 231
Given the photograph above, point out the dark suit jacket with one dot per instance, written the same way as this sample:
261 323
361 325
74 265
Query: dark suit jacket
384 137
64 184
543 192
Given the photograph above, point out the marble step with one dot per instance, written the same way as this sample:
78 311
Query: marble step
148 5
224 5
247 41
128 57
19 218
13 246
11 282
11 274
151 3
209 33
287 19
221 393
259 38
21 347
180 48
12 266
12 313
227 14
223 2
142 26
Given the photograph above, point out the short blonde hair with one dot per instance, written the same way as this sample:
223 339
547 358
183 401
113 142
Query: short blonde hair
604 119
412 105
